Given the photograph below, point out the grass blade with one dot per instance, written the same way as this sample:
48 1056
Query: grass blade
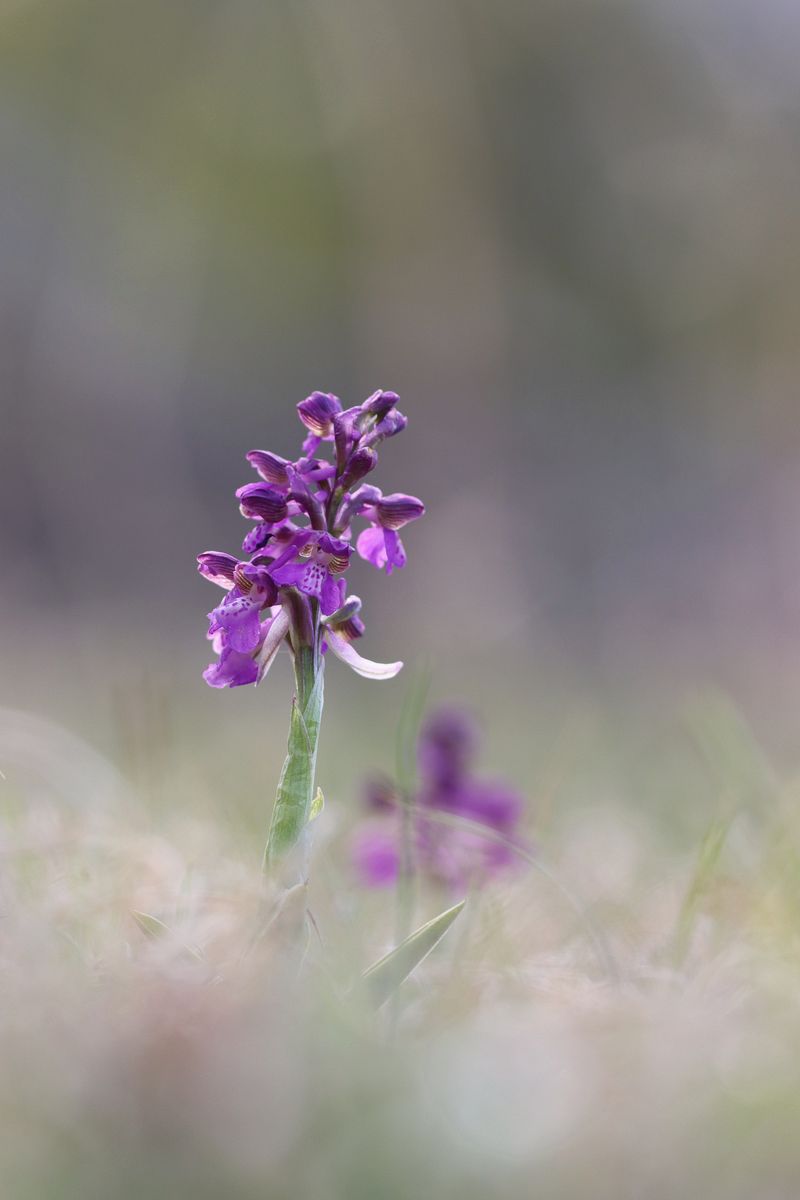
385 976
702 880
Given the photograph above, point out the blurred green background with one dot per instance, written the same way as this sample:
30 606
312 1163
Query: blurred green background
566 232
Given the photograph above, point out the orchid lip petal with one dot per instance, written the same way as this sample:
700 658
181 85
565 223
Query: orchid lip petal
362 666
371 545
272 643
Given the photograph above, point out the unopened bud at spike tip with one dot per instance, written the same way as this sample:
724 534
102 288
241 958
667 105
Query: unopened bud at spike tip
317 412
360 464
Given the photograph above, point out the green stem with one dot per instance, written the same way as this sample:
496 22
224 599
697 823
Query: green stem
288 844
304 673
406 881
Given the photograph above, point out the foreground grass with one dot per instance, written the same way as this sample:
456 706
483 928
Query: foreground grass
156 1039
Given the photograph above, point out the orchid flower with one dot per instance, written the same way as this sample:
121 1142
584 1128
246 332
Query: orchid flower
290 589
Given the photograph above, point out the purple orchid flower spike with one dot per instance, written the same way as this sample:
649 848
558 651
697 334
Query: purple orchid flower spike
289 590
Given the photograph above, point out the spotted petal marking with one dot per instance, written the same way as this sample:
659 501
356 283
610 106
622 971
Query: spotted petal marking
313 578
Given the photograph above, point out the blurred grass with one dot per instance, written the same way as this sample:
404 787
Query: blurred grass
132 1067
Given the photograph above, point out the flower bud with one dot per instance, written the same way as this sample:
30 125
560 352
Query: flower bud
344 436
359 464
394 422
261 503
317 412
379 404
270 466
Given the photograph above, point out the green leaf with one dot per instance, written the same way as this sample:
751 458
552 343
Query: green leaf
742 773
150 926
386 975
294 800
408 729
702 880
153 929
317 805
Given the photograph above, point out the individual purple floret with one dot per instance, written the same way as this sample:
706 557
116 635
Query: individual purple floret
312 563
453 856
381 544
238 617
300 545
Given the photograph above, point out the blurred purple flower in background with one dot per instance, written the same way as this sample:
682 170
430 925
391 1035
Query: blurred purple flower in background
453 856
